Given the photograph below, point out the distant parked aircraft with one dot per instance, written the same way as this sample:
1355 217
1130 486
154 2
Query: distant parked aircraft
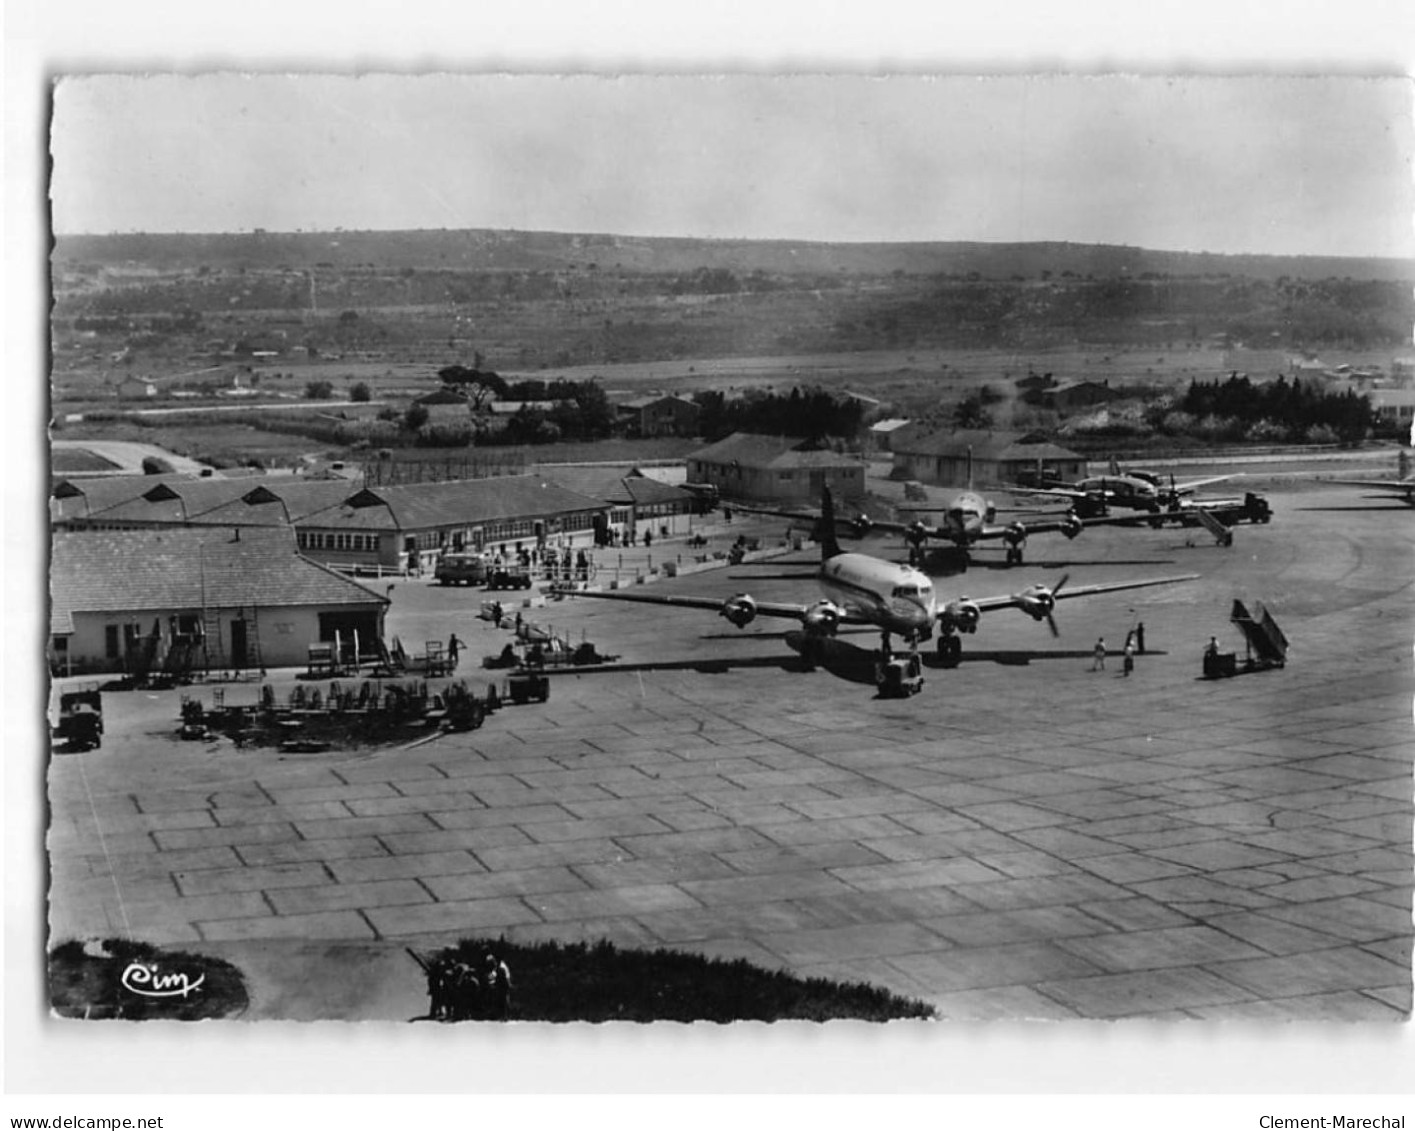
860 589
1405 488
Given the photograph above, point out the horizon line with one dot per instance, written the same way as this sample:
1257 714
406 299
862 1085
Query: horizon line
340 230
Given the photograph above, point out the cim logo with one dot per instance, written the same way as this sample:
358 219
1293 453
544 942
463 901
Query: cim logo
145 980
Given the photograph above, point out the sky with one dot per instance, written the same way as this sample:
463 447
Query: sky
1279 165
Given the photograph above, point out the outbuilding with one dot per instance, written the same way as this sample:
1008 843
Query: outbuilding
951 459
771 468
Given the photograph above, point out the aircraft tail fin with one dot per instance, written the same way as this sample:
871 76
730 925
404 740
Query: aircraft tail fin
830 547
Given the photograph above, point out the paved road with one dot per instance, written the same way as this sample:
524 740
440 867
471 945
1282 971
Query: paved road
1026 838
128 455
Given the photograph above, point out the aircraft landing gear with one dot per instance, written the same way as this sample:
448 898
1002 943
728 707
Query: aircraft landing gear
811 650
950 650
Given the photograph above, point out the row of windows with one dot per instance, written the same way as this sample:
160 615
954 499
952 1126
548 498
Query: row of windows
313 540
511 529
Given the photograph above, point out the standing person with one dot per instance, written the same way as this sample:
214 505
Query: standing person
1098 664
648 538
1129 663
454 646
496 977
1140 637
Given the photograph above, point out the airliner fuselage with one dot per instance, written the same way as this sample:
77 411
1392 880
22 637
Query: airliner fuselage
897 598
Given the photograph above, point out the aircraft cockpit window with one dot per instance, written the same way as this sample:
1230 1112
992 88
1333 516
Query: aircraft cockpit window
907 591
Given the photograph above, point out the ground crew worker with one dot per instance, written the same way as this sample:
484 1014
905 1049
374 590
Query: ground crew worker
454 646
1140 637
1098 664
1129 657
496 978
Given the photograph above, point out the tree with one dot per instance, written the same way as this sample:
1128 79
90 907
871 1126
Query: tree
969 413
360 393
480 385
415 417
319 390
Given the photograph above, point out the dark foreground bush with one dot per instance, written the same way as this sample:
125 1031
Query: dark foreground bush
135 981
599 982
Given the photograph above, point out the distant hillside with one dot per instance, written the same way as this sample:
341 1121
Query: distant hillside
486 250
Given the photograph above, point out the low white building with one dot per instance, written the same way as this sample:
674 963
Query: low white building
217 597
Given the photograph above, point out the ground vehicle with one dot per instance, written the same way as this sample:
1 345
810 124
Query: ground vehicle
525 686
1252 507
80 720
899 676
509 577
461 569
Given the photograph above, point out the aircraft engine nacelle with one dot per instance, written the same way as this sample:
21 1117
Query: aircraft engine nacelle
1015 533
823 618
961 616
861 525
1037 602
1071 525
741 610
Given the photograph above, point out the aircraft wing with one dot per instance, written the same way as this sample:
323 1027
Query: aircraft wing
1406 485
721 605
1049 492
1029 597
1194 484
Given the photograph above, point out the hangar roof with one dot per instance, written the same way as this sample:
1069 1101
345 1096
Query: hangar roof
752 450
423 506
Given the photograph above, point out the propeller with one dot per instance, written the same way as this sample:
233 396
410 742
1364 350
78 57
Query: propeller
1051 603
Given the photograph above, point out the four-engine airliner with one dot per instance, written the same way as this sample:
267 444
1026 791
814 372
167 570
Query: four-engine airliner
859 589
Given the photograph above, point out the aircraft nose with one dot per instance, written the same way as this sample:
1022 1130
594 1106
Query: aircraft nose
910 613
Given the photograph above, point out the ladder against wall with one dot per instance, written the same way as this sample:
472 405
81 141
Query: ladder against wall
215 655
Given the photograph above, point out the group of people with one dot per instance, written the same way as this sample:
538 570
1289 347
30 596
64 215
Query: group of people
1134 643
459 990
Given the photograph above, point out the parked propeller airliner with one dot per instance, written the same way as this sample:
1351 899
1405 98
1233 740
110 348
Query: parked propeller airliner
1135 491
968 519
859 589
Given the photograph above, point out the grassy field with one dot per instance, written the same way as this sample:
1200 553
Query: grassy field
910 383
74 461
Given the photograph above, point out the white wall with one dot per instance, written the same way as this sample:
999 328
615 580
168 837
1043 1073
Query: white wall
285 634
